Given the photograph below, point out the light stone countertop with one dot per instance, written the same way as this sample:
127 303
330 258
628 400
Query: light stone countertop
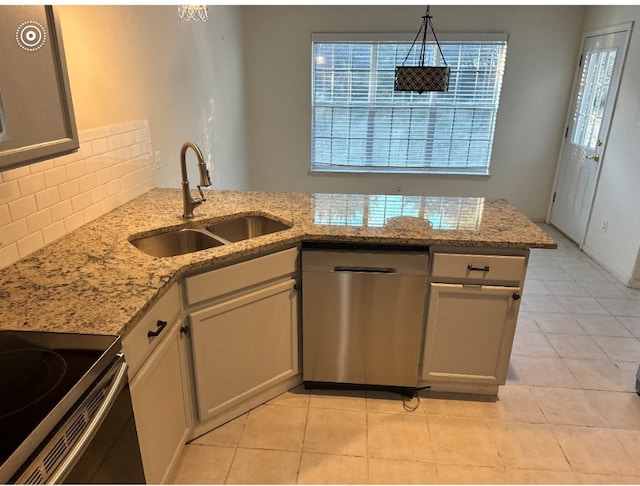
94 281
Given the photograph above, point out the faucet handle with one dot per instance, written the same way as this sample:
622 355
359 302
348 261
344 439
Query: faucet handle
202 198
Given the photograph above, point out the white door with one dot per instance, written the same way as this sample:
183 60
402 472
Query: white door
588 121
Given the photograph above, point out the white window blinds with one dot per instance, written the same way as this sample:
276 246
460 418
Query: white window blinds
359 123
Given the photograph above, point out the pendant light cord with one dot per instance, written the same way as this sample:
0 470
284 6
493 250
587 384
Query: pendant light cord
426 23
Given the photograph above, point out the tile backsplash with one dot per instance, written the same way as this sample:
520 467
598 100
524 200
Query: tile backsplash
42 202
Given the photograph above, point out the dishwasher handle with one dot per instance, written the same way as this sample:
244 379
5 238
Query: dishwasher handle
356 269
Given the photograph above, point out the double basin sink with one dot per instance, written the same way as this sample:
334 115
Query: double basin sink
188 240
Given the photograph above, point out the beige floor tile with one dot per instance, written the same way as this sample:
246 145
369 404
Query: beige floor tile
203 465
619 409
274 427
333 431
582 305
602 375
541 303
258 466
526 323
459 474
390 471
339 399
567 406
632 324
607 479
539 371
451 405
330 469
296 397
562 323
533 286
619 348
622 307
515 404
576 346
382 401
569 289
528 446
594 450
532 344
603 289
630 440
537 476
398 436
463 441
226 435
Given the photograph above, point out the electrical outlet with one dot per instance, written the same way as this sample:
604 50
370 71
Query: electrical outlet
158 164
605 225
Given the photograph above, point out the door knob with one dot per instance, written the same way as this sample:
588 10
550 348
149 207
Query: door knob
595 157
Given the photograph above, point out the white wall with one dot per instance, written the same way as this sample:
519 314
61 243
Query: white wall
618 193
185 78
542 49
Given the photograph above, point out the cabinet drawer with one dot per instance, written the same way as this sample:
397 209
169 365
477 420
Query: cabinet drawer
478 267
136 344
204 286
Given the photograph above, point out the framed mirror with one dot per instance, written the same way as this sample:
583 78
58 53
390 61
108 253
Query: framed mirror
36 112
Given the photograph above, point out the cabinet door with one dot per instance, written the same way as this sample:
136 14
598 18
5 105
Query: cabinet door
469 333
158 400
243 346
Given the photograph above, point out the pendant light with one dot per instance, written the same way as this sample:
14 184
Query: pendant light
422 78
193 12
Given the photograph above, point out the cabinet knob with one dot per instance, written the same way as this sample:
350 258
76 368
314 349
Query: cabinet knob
184 330
297 286
516 296
161 325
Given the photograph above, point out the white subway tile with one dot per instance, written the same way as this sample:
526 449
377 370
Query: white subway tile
53 232
9 255
47 198
55 176
23 207
41 166
17 173
81 201
114 142
64 160
29 244
5 216
104 175
69 189
113 187
39 220
88 182
31 184
74 221
9 191
92 212
61 210
75 170
98 194
14 231
99 146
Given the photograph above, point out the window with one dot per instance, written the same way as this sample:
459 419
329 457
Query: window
360 124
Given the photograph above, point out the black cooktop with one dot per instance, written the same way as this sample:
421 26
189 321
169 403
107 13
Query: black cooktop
42 375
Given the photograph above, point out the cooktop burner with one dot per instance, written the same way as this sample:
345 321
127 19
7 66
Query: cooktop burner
26 376
42 375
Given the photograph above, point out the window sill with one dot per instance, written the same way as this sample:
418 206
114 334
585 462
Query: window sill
426 172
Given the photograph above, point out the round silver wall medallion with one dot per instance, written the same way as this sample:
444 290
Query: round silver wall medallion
31 35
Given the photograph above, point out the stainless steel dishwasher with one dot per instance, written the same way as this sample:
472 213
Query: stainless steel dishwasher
363 314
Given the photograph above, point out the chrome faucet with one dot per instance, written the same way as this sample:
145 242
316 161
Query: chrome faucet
205 180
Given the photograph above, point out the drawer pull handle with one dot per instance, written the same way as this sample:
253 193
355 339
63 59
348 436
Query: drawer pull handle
471 268
161 326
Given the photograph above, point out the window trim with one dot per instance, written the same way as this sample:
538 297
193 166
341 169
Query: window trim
338 37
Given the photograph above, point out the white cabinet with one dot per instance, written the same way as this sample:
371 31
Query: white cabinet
244 335
471 320
154 350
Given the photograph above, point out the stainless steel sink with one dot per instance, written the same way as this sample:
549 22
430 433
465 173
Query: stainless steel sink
245 227
176 242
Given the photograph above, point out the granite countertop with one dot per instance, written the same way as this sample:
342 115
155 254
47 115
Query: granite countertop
94 281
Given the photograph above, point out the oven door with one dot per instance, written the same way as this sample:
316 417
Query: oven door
97 443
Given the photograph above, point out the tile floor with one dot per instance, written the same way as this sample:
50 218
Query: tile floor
568 413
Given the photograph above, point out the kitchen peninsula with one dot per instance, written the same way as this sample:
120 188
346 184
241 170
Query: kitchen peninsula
210 334
94 281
